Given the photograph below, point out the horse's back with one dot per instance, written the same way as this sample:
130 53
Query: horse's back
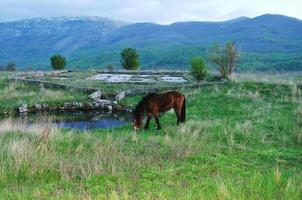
175 93
170 99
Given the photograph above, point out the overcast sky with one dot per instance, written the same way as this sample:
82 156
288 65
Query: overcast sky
160 11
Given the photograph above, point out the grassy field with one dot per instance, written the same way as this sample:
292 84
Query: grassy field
240 141
14 94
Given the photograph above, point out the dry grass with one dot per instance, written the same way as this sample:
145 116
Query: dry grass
38 147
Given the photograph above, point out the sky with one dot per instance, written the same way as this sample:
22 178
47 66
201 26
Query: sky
158 11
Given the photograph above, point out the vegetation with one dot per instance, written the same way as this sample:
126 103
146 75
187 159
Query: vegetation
110 67
225 58
130 59
241 141
269 47
198 68
11 67
58 62
14 94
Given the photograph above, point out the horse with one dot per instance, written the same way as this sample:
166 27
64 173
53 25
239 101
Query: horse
153 104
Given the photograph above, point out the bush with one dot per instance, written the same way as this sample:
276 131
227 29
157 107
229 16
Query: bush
198 68
11 67
226 58
110 67
58 62
130 59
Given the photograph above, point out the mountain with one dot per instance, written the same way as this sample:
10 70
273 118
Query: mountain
267 41
31 42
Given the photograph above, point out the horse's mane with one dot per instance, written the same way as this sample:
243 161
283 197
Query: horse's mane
139 109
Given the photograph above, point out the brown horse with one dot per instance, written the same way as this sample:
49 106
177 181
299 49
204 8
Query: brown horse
153 104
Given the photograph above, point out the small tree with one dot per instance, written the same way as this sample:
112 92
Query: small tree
130 59
11 67
58 62
198 68
110 67
226 58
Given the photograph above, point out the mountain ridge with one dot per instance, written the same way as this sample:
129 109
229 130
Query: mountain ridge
97 41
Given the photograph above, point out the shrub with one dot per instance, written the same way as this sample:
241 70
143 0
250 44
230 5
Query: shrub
226 58
198 68
58 62
130 59
11 67
110 67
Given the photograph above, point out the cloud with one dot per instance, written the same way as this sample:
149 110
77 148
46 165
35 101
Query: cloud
160 11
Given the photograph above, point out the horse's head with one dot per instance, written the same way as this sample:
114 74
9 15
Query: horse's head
138 114
137 120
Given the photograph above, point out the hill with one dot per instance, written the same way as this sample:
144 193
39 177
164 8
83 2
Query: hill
267 42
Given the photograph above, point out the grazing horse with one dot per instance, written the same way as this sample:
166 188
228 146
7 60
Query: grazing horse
153 104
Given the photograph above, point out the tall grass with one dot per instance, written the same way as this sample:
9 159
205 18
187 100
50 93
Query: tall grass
13 94
240 142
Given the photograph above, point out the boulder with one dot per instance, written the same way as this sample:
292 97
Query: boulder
45 106
38 107
110 108
23 108
103 101
120 96
96 95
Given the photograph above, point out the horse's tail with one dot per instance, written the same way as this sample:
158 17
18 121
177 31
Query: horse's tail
183 111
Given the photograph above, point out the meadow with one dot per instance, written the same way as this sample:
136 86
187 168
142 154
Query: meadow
241 141
14 94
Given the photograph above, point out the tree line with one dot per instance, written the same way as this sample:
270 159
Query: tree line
225 57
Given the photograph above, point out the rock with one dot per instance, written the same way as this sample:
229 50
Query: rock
104 101
23 108
114 102
45 106
128 110
38 107
88 105
96 95
120 96
109 108
67 105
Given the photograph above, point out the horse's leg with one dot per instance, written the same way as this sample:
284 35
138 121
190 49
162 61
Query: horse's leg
148 121
157 121
177 112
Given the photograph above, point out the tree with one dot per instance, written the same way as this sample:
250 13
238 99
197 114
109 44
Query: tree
130 59
11 67
58 62
110 67
226 58
198 68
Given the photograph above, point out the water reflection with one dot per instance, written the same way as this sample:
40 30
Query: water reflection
80 120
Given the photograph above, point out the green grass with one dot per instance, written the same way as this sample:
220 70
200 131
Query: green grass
240 141
14 94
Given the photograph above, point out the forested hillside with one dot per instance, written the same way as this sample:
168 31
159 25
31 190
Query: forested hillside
267 42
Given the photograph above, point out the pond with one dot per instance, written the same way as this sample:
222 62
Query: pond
81 120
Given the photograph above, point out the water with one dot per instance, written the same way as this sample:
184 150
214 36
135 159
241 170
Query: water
88 125
81 120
